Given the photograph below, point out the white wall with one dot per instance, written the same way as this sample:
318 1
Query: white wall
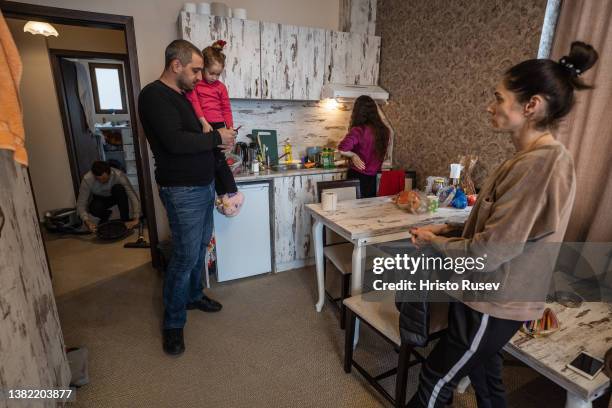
45 142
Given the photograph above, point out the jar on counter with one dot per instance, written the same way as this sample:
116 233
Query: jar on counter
438 184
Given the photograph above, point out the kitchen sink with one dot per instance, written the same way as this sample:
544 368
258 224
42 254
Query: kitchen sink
286 167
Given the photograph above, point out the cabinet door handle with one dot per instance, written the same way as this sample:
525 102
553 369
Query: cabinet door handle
266 82
256 86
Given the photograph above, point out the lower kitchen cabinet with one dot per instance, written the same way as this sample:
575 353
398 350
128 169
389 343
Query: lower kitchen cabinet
292 224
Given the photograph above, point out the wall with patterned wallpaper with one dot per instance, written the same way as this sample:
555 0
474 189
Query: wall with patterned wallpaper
440 60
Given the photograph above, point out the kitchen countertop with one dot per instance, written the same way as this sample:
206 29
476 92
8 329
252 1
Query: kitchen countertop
270 174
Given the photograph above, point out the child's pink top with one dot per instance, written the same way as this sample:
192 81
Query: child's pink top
211 101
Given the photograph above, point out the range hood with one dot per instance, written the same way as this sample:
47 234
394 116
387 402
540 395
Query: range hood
352 92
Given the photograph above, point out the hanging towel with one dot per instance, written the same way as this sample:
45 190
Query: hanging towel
391 183
12 134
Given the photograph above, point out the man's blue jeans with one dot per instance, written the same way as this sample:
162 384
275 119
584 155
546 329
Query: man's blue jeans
190 214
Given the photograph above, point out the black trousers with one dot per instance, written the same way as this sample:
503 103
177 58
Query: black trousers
367 184
99 205
470 347
224 179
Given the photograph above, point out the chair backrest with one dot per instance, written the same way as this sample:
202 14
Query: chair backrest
410 180
345 189
391 182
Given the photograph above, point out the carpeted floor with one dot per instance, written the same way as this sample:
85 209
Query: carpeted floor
77 261
268 347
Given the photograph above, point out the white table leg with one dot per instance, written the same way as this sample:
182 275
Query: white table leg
317 237
574 401
357 265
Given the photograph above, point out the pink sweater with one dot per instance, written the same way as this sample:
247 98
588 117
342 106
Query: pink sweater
211 102
360 140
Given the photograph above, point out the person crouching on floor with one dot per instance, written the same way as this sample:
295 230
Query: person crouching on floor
102 188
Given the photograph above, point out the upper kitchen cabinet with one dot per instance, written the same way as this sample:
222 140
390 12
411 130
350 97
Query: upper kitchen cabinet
280 61
292 61
351 58
243 64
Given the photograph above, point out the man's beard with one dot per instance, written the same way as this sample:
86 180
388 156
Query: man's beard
185 85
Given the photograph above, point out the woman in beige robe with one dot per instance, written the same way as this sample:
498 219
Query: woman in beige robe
528 198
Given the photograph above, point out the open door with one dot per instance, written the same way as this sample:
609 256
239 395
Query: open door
83 144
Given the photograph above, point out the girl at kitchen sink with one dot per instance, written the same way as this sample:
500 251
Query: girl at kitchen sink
365 145
211 104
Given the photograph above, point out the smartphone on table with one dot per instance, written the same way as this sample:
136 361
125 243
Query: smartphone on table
586 365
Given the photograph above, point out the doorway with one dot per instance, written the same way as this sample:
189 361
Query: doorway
119 138
105 131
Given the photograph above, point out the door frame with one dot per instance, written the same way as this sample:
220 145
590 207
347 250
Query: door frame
54 56
23 11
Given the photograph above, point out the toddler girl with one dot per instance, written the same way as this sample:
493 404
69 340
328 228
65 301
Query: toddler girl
211 104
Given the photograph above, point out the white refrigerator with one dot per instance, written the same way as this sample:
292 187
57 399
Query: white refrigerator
243 242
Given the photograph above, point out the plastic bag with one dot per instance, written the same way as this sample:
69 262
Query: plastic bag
446 195
234 162
460 200
413 201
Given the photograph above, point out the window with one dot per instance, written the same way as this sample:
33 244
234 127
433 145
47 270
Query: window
108 87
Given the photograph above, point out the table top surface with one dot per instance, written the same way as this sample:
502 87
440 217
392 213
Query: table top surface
371 217
587 328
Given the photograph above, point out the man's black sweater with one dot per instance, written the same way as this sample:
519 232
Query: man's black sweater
184 155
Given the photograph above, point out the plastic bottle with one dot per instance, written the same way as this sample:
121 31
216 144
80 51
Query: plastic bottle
326 158
287 150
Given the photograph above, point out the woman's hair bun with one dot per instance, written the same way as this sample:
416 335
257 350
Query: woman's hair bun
582 57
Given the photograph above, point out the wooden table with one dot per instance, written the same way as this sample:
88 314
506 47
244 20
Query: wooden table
587 328
368 221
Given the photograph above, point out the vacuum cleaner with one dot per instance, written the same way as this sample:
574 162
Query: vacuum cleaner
64 221
140 242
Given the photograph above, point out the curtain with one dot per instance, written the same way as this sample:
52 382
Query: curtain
587 131
85 96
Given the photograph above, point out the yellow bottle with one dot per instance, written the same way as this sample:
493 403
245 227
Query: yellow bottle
288 157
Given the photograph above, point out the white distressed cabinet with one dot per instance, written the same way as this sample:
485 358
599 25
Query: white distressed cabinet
242 74
358 16
292 61
292 224
351 58
284 62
